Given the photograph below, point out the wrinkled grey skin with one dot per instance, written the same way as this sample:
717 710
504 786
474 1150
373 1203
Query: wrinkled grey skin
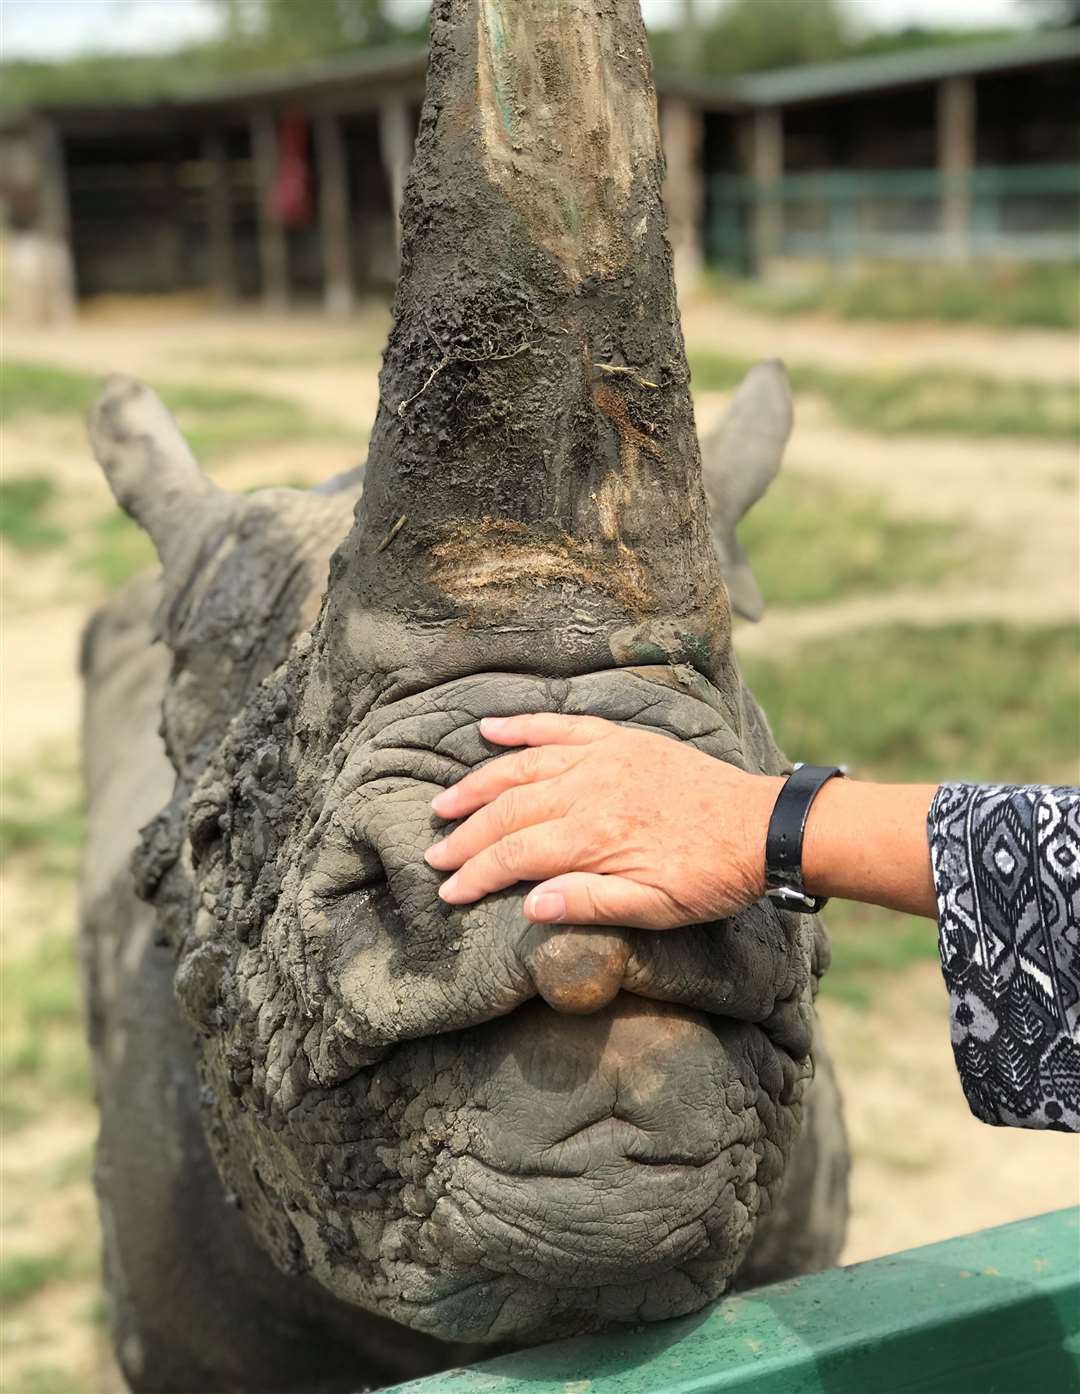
384 1143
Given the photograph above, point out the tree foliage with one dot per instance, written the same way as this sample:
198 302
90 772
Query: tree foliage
254 36
1056 12
748 35
288 30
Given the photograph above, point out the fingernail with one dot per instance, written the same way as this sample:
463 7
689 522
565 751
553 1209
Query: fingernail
494 725
548 905
434 854
448 887
442 801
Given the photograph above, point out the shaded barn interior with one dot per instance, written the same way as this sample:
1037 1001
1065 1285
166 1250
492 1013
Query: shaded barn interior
160 210
289 186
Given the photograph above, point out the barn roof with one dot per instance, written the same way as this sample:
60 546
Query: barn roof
361 79
816 81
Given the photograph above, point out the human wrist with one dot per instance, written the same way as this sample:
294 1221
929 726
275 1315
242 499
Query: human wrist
867 842
762 794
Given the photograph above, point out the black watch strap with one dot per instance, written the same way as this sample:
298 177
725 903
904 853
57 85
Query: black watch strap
784 840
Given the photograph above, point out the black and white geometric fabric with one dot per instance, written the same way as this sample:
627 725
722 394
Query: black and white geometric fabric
1006 864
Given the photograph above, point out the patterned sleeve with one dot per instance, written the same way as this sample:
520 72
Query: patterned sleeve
1006 865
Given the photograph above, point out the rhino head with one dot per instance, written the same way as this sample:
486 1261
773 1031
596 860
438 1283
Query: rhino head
478 1127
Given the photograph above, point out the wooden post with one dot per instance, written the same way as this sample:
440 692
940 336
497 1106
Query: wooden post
273 248
395 147
334 216
222 266
767 169
54 258
956 163
682 130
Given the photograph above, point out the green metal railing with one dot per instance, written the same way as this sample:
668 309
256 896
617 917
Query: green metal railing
1015 212
997 1312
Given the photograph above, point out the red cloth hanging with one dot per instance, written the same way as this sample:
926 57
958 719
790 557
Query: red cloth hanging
291 200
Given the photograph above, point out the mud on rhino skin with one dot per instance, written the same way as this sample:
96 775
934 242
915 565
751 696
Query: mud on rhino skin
419 1146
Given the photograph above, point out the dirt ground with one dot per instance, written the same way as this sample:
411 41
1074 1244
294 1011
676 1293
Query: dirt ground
1041 354
924 1169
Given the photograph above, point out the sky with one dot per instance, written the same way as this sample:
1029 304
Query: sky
60 28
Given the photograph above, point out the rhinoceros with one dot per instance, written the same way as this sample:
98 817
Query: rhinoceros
351 1134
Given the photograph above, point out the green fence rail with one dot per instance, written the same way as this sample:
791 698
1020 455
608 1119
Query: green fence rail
1018 212
996 1312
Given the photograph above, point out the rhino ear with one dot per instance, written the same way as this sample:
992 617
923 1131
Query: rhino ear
149 466
740 457
745 593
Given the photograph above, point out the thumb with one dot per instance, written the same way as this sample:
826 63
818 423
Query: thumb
583 898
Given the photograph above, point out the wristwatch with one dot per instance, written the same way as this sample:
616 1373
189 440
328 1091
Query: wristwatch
784 840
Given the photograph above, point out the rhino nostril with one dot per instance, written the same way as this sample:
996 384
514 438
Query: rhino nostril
575 969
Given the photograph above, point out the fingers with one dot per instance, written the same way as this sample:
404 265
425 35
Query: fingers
511 811
544 850
582 898
494 778
545 728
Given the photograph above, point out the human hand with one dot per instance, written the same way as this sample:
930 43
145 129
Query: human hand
618 826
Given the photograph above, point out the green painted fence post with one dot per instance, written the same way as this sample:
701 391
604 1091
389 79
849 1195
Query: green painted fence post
996 1312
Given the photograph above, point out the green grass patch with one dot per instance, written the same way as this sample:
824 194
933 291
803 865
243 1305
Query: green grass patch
811 541
313 357
48 828
222 421
23 1276
1043 297
986 702
43 389
217 421
114 550
25 505
45 1379
43 1052
77 1168
918 403
42 988
99 1311
869 944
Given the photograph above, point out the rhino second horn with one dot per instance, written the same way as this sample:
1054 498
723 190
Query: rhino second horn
577 970
149 465
740 458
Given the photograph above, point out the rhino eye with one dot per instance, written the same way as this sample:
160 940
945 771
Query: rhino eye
344 866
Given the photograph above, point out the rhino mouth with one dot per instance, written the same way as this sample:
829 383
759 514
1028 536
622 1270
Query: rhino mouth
574 1173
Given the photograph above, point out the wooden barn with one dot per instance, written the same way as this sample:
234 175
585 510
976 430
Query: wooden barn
289 186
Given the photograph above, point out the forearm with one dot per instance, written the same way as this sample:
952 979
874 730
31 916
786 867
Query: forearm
868 842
